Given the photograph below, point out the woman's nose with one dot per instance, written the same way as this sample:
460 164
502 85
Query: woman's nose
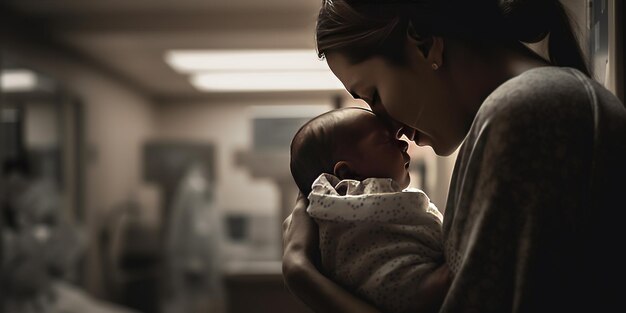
400 130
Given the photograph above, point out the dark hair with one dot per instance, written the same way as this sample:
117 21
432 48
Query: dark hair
314 148
364 28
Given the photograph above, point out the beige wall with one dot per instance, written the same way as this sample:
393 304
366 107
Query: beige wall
117 122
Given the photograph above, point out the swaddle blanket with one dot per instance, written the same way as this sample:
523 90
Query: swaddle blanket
376 239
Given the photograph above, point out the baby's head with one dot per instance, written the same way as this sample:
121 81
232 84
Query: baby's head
350 143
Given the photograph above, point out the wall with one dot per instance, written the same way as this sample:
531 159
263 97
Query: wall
117 123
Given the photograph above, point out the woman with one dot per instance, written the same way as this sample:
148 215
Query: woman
543 157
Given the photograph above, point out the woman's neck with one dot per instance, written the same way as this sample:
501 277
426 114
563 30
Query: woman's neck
478 71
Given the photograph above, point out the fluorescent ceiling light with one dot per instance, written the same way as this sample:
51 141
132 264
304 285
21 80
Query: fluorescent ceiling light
189 61
18 80
289 110
266 81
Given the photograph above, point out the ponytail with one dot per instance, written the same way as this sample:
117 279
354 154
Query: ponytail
563 45
532 20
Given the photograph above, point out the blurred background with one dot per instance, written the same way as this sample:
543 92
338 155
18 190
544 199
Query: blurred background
144 148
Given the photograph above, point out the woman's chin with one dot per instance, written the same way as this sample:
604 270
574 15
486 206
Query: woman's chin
407 181
444 150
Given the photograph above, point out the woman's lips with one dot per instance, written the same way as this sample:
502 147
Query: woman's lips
408 132
413 135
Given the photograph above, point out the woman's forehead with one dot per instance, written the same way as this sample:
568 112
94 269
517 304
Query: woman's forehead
355 77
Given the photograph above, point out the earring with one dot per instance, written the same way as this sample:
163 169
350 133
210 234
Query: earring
435 66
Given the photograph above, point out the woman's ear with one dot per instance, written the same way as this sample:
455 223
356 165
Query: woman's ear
431 47
435 54
344 170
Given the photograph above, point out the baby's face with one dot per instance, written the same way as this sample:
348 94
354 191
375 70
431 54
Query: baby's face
378 153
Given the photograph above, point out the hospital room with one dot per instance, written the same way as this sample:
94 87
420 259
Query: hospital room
148 153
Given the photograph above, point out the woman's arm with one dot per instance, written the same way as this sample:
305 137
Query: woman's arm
301 242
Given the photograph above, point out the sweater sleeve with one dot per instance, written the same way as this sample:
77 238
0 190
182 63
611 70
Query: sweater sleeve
515 239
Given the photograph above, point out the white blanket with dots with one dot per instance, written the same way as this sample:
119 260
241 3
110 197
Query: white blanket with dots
376 239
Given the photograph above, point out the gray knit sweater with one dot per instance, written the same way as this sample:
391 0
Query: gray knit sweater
536 207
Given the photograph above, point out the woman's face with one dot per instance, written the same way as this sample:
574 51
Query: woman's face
415 99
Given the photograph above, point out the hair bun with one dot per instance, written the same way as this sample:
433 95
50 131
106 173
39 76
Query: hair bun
529 20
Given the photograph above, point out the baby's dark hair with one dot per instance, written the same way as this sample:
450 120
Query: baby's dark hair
314 147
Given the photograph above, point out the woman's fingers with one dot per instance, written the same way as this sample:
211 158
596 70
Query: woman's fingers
300 266
286 223
300 234
301 204
286 226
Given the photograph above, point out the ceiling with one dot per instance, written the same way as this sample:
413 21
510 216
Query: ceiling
130 37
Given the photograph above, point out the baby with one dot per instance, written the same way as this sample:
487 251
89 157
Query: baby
376 239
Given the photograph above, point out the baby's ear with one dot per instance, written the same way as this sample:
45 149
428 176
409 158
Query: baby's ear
344 170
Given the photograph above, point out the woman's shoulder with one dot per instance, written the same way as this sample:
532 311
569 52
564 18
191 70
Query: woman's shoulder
541 98
540 93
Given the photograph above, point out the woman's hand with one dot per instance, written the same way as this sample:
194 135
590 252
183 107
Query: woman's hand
301 253
300 238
